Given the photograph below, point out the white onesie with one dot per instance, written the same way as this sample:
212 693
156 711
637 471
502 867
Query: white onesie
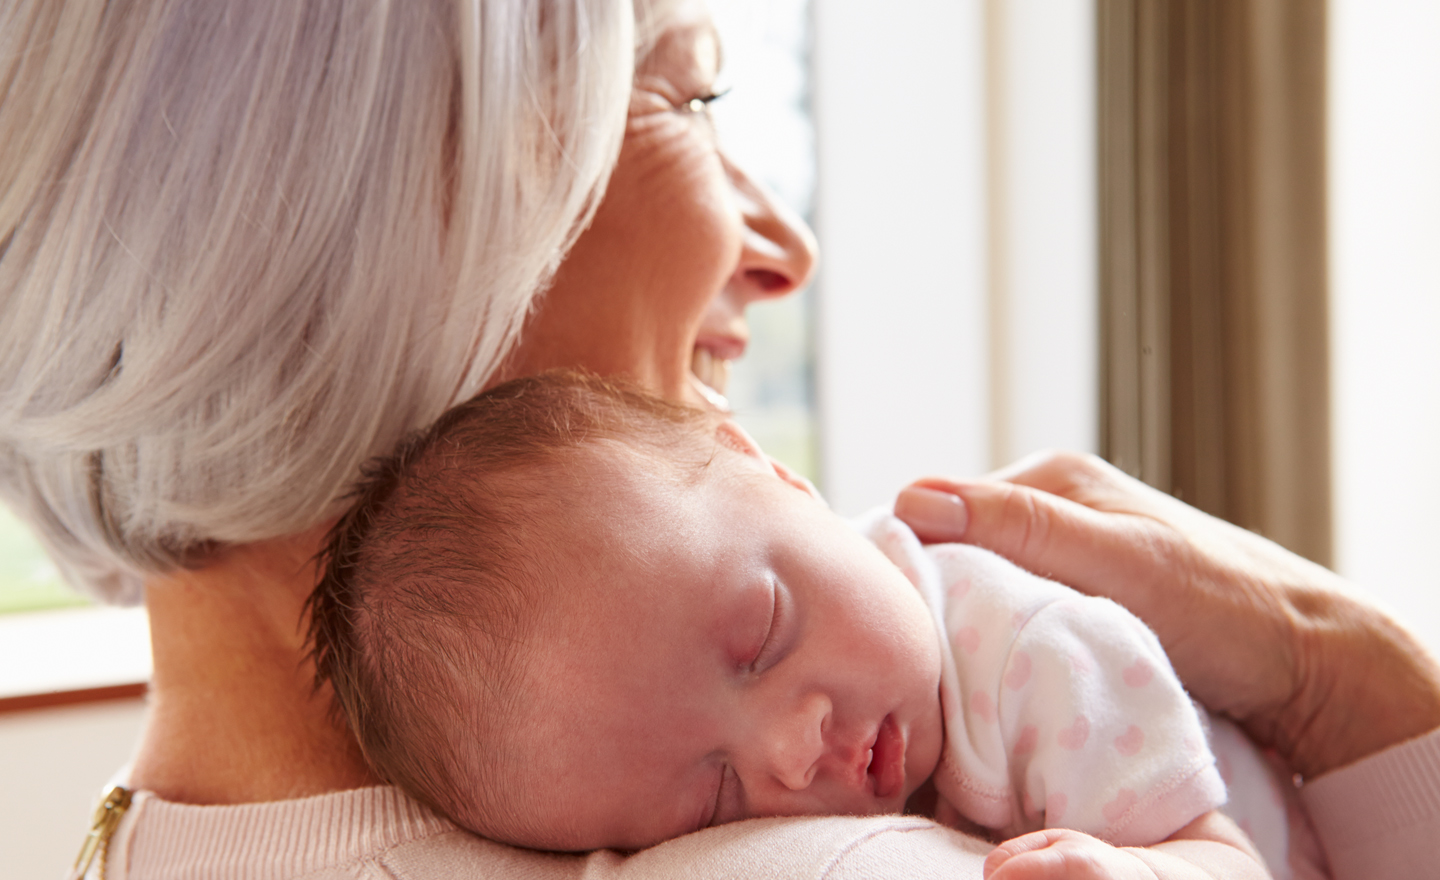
1062 710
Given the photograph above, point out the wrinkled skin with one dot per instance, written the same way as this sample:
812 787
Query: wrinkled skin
683 242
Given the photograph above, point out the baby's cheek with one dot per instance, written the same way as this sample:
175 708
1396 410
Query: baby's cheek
927 740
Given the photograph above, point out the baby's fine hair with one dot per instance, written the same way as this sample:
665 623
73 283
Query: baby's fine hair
435 576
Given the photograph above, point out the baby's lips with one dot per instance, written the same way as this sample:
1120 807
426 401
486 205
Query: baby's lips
887 762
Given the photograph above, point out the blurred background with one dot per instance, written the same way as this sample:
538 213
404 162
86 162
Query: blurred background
1198 237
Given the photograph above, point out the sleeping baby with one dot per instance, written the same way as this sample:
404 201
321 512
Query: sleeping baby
571 616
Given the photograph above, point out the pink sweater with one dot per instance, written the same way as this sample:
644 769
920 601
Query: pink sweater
382 834
1378 818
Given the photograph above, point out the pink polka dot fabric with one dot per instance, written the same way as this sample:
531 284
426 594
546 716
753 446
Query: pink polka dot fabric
1060 709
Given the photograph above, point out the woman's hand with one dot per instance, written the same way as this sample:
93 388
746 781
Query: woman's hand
1254 631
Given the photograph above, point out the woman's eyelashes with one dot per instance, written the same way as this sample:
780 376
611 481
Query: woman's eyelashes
701 103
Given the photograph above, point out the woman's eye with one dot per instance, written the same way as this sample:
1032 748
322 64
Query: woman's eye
702 103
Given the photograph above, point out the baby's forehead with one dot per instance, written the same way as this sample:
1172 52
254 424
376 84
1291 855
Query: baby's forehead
619 519
604 473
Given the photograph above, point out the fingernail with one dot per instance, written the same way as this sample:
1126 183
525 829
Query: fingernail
932 514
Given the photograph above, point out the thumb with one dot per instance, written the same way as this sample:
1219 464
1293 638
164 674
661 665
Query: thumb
1038 531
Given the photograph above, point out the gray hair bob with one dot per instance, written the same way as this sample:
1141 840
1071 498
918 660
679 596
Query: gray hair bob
245 246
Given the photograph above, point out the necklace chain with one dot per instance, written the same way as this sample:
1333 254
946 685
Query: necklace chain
107 818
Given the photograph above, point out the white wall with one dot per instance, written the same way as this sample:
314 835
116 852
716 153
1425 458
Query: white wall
1385 313
930 213
53 764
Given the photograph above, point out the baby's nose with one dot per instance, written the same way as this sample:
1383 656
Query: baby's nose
798 742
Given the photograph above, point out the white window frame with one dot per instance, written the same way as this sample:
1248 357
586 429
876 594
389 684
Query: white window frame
955 206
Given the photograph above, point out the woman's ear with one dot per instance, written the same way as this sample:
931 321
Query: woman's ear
735 437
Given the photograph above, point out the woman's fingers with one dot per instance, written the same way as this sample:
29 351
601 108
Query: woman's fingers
936 514
1195 581
1037 530
1253 630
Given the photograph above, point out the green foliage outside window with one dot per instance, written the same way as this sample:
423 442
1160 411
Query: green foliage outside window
29 581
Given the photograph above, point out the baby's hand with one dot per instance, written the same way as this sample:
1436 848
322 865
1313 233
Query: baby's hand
1209 847
1062 854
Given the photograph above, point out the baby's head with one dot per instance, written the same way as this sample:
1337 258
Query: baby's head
572 616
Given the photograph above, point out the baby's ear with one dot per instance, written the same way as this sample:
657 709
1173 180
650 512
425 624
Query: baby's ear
735 437
783 471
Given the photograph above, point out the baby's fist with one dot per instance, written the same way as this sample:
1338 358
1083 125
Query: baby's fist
1062 854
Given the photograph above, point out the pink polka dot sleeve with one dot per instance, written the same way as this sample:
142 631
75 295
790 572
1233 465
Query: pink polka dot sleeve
1061 709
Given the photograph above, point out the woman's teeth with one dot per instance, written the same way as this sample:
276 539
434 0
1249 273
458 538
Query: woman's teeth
710 374
713 371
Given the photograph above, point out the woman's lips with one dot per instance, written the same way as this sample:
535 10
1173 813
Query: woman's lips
887 760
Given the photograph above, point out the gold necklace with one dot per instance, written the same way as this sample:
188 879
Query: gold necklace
107 818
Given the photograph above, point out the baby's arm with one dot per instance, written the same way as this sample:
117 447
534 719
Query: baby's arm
1209 848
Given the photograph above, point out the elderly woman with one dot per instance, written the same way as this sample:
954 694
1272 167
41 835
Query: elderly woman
245 247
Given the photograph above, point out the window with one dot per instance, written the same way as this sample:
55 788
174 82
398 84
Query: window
955 206
29 581
764 125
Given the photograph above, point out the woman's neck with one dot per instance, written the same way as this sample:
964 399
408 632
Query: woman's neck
234 714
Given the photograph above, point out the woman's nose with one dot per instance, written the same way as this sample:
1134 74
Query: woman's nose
797 742
779 250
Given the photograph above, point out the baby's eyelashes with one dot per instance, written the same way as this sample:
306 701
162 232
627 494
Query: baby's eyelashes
779 636
768 641
729 799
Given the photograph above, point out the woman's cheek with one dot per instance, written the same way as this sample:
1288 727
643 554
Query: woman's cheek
681 195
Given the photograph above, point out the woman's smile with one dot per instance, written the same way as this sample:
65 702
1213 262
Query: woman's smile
656 288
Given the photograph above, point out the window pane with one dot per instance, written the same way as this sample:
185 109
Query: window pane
764 125
28 579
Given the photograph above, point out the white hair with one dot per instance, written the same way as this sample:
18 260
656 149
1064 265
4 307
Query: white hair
246 246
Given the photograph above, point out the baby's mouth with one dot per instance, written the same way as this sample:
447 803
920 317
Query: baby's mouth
712 375
887 760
